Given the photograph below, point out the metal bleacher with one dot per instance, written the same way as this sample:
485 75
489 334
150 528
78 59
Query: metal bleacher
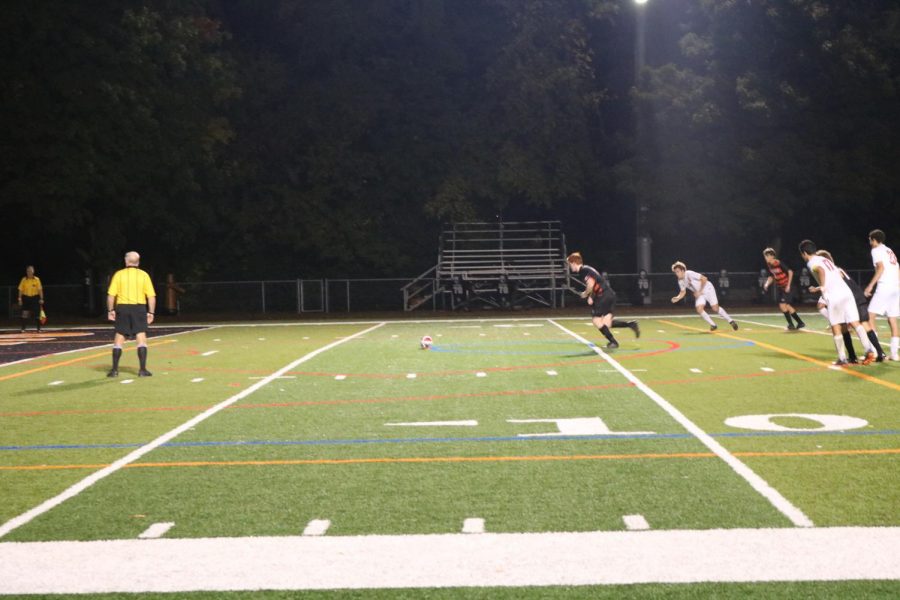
494 265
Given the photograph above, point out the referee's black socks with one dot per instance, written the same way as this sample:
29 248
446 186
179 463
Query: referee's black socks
117 354
142 357
873 337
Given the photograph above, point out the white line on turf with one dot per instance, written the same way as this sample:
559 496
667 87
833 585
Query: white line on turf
56 382
196 380
410 375
794 514
635 522
210 353
480 374
767 369
317 527
469 423
451 560
695 370
340 377
157 530
552 373
124 381
473 525
93 478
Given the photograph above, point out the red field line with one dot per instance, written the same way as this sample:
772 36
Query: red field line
453 459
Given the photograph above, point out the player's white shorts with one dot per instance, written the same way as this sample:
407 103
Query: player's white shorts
885 302
842 309
707 295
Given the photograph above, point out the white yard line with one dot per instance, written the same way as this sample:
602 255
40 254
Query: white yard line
317 527
806 329
156 531
635 522
784 506
473 525
93 478
450 560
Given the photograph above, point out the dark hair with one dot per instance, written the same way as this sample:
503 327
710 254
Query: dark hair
807 247
877 235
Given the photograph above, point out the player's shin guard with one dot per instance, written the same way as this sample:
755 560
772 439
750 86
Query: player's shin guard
116 355
864 339
707 318
724 314
797 318
621 323
608 334
839 346
787 317
895 346
142 357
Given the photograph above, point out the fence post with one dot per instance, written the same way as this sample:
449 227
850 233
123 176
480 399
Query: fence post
348 295
262 289
325 307
299 297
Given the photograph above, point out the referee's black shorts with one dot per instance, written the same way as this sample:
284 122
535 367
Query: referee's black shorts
603 305
131 319
785 296
32 306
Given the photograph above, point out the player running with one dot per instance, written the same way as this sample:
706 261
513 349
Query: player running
839 299
602 299
886 299
783 277
704 293
862 305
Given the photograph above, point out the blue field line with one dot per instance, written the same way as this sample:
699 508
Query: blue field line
555 438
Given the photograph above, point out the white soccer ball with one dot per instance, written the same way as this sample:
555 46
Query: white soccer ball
426 342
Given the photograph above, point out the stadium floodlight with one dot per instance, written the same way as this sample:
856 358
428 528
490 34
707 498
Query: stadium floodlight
640 1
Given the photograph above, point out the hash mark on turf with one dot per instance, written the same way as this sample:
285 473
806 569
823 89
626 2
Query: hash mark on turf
317 527
473 525
410 375
480 374
340 377
124 381
157 530
636 522
55 382
696 371
767 369
552 373
210 353
196 380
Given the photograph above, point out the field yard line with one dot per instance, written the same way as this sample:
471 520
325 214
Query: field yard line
848 371
450 560
782 504
90 480
69 362
804 330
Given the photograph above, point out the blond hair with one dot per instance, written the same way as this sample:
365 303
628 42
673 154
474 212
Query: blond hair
769 252
678 265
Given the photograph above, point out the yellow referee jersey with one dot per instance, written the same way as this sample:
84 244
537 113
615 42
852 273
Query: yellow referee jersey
131 286
30 287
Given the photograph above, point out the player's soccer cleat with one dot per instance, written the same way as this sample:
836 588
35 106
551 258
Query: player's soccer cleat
801 325
852 361
635 328
869 359
791 327
840 363
713 327
112 373
612 346
733 325
144 373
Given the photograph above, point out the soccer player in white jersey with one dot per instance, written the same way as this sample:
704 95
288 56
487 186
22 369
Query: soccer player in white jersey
886 299
841 305
704 293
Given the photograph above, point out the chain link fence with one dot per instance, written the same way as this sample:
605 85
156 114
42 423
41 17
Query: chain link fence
298 296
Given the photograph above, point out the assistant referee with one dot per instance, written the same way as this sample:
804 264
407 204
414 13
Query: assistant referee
131 301
31 297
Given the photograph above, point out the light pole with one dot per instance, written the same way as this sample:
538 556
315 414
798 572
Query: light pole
642 230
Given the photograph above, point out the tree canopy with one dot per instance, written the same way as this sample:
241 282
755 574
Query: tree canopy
333 138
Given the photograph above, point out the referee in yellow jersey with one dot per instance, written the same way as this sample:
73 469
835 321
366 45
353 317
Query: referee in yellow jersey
131 301
31 296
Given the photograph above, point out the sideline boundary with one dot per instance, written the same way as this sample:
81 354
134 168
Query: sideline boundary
782 504
90 480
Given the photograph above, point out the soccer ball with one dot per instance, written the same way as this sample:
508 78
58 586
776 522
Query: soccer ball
426 342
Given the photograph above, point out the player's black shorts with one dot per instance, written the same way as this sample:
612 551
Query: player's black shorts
131 319
31 305
785 296
603 305
863 308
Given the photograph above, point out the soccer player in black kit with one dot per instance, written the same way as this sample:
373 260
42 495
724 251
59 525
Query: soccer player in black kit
602 299
783 277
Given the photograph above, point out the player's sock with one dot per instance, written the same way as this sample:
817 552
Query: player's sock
797 318
608 335
873 337
864 339
824 312
621 323
787 317
116 355
142 357
724 314
895 345
848 345
706 317
839 346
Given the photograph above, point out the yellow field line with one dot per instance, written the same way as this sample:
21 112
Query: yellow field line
448 459
792 354
70 362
